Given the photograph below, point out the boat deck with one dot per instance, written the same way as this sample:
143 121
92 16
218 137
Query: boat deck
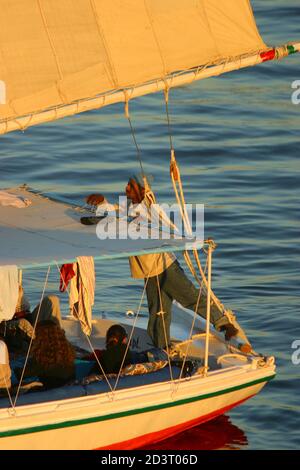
79 390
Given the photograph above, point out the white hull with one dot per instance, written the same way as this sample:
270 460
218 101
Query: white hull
132 417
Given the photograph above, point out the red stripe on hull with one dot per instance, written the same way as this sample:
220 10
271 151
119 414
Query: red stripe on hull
152 437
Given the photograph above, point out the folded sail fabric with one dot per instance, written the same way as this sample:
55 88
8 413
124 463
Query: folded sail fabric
7 199
9 291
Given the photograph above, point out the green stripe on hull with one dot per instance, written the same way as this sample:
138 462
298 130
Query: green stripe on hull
95 419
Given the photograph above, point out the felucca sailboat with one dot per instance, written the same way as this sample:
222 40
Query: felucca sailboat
63 57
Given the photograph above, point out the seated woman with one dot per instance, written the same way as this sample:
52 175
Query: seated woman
49 310
52 357
111 358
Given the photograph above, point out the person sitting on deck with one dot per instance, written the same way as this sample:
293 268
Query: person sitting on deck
111 358
165 270
52 357
49 310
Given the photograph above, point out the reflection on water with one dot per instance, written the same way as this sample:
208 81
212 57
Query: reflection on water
218 434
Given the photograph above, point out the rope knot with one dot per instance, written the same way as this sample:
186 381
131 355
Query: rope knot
161 312
126 106
281 52
174 170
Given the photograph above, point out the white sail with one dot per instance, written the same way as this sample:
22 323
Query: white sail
29 238
57 55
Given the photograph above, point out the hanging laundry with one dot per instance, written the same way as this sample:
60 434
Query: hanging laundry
5 370
66 274
9 291
82 292
3 352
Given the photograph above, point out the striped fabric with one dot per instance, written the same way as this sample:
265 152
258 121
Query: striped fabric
82 292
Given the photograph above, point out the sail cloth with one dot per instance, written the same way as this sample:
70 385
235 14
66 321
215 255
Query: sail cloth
49 233
57 52
7 199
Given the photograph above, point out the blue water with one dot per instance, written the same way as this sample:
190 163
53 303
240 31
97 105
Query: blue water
237 142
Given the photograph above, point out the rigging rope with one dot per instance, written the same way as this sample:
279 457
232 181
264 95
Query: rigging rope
192 326
132 331
149 196
138 150
166 92
179 194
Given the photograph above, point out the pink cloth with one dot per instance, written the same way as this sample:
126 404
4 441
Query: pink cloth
66 274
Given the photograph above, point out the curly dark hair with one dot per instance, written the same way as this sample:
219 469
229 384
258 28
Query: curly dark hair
51 346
